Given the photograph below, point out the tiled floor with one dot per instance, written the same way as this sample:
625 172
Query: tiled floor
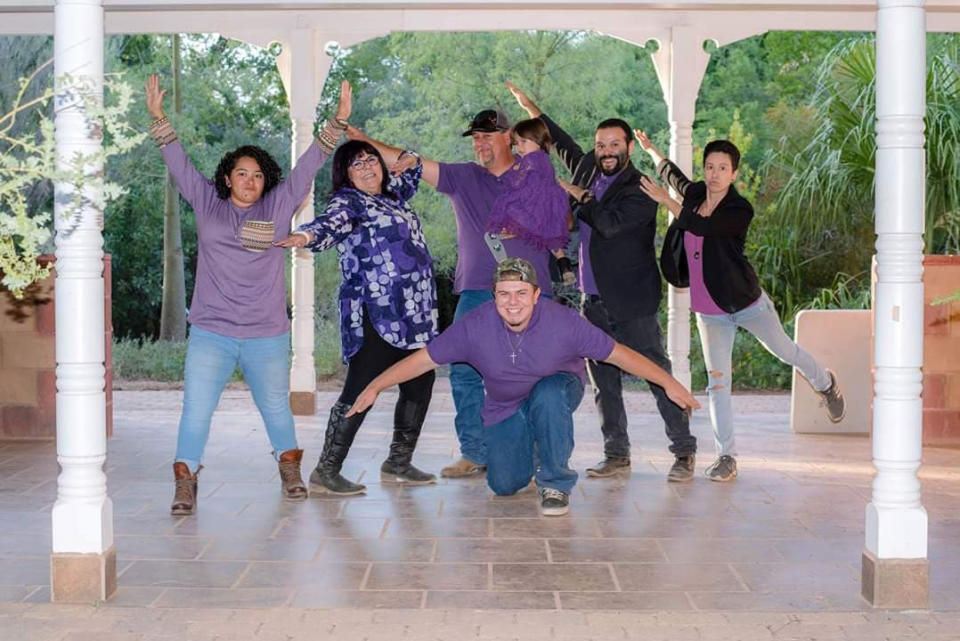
785 537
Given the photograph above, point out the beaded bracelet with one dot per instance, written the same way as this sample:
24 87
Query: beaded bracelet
162 132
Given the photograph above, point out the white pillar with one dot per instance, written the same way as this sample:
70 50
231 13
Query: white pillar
680 63
304 66
83 562
894 560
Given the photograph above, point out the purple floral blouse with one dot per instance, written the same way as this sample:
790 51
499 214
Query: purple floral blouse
385 264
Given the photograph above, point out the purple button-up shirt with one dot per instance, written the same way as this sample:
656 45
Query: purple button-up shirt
588 284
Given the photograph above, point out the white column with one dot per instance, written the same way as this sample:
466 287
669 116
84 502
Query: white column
83 569
680 63
896 522
304 66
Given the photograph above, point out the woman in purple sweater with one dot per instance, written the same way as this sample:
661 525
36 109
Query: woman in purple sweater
238 314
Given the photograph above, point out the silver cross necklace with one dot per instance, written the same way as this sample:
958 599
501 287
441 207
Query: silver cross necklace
515 348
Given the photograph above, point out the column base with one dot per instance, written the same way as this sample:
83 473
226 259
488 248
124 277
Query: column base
901 584
303 403
83 578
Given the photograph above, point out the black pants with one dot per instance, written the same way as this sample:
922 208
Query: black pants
374 357
642 334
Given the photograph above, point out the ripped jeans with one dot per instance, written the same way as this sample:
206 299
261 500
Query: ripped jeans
716 336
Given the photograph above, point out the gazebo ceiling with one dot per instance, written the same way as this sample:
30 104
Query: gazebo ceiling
349 22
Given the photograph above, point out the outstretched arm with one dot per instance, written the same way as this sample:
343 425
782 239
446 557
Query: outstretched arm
431 168
411 367
641 366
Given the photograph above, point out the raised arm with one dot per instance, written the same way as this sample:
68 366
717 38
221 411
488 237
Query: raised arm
409 368
192 185
669 172
641 366
431 168
523 99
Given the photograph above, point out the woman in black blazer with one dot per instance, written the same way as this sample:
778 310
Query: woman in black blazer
704 250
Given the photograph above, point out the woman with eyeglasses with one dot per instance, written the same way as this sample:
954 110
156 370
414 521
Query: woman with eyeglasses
387 302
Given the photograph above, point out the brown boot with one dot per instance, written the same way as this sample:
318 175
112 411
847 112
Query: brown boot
185 495
290 481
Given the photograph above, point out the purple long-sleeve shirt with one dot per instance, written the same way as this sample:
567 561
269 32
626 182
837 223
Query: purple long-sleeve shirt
241 292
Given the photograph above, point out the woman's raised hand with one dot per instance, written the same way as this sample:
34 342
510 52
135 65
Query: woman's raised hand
644 141
155 97
345 105
655 191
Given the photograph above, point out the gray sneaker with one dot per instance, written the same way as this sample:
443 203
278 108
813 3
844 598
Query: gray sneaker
682 469
833 400
723 469
553 502
609 466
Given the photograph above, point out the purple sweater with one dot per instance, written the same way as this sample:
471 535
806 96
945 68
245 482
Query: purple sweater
241 292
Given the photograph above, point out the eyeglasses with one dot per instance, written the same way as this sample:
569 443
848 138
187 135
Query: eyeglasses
363 163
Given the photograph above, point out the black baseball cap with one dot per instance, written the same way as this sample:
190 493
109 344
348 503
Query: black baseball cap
487 121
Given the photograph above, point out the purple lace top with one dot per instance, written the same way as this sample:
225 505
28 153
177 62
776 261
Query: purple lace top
532 207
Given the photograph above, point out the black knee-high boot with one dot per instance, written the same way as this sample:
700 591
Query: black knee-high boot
341 431
408 420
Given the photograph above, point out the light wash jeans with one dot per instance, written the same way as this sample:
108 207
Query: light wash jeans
536 440
716 336
466 386
211 359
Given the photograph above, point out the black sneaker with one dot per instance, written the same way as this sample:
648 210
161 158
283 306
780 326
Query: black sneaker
609 466
682 469
553 502
723 469
833 400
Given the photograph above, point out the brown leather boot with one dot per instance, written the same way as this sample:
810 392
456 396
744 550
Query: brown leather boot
185 495
290 480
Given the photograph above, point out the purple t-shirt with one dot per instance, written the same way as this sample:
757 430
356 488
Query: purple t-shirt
556 340
588 284
472 191
241 292
700 299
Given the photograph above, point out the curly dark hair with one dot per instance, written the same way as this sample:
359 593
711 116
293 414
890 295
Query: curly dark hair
346 154
269 167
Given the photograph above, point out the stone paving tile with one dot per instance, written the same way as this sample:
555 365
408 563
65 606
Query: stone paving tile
318 597
656 577
132 547
491 550
224 598
490 600
625 601
667 527
540 576
261 550
427 576
719 551
335 576
545 528
387 551
445 527
594 550
210 574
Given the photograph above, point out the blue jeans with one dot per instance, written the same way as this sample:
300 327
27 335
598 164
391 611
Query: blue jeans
466 385
211 359
536 440
717 332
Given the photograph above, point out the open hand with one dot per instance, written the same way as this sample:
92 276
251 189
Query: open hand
403 163
293 240
524 100
681 396
364 402
573 190
643 140
355 134
155 97
655 191
345 105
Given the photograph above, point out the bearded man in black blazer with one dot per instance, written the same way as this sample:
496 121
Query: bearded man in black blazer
619 280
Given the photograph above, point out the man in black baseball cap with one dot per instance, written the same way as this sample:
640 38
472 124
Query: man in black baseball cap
488 121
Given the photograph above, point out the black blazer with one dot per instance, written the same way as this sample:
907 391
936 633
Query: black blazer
727 275
624 225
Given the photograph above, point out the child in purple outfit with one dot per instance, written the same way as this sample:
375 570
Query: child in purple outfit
532 206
